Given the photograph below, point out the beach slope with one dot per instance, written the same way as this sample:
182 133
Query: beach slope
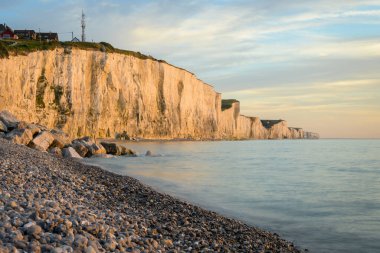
49 204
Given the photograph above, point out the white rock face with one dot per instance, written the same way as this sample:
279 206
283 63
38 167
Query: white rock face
85 92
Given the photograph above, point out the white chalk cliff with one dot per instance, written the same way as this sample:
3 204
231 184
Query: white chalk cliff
88 92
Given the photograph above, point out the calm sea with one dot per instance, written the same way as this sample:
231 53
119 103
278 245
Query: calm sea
324 195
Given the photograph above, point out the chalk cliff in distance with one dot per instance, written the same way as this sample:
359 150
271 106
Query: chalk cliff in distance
89 92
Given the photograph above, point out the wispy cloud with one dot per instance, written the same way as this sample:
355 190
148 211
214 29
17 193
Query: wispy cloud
310 104
292 54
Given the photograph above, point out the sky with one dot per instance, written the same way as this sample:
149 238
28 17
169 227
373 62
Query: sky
314 63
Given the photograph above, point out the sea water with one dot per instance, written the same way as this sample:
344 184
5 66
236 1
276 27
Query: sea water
324 195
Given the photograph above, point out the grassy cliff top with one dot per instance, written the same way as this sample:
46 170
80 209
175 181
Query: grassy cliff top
227 103
23 47
269 123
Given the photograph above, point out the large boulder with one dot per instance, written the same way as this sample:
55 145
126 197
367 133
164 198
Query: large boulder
20 136
80 148
61 139
43 141
3 127
122 136
126 151
93 147
32 127
97 149
9 119
111 148
116 149
70 153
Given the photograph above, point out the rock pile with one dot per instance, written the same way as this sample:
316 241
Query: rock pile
55 141
50 204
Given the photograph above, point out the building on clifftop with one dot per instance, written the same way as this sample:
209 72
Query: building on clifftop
47 36
26 34
6 32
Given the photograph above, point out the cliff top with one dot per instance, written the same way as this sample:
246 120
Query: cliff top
227 103
24 47
269 123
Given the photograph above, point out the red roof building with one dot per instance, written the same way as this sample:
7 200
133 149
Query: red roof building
6 32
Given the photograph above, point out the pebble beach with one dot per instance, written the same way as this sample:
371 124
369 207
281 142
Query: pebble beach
52 204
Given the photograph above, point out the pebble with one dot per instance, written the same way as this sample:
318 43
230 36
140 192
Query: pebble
13 204
35 231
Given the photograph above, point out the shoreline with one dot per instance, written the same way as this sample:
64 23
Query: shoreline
64 205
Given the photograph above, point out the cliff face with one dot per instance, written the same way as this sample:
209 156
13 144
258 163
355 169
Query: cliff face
86 92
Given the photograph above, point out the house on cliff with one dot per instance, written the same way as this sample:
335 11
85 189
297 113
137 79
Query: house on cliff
6 32
26 34
47 36
75 39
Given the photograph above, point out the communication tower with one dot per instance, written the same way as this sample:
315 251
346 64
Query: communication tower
83 27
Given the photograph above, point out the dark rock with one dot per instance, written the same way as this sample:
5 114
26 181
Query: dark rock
92 147
111 148
116 149
21 244
9 119
127 151
80 148
122 136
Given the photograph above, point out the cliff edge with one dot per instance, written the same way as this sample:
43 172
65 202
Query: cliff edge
100 93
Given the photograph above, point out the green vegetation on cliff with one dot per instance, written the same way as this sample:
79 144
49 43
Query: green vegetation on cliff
227 103
23 47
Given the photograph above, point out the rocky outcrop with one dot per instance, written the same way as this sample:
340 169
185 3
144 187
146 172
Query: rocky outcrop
100 94
115 149
57 142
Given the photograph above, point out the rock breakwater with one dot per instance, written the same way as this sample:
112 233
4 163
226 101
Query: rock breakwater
55 141
50 204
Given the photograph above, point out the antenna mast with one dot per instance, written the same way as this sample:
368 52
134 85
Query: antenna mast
83 27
